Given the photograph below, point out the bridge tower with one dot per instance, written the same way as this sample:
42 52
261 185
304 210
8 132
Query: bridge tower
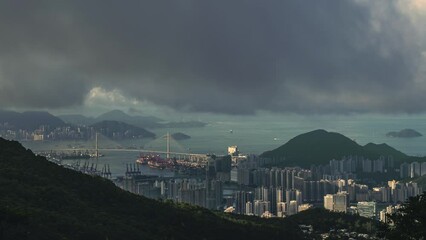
168 145
96 146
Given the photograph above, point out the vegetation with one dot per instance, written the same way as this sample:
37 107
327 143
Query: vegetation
324 220
409 222
376 150
319 147
40 200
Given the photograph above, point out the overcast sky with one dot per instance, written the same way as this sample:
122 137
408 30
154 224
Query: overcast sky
237 57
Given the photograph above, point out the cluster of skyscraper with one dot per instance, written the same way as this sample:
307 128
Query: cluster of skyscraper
349 166
207 192
275 201
395 192
331 184
412 170
280 192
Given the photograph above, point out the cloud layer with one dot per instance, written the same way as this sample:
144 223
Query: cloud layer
323 56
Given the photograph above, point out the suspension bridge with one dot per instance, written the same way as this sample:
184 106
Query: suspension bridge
97 150
91 167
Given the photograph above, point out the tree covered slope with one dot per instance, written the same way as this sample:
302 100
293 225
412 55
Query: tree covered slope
40 200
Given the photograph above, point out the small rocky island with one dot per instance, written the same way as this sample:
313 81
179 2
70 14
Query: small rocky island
405 133
180 136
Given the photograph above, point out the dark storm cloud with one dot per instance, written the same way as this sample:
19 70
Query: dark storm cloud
219 56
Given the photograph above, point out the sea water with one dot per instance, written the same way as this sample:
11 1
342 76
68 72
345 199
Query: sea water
254 135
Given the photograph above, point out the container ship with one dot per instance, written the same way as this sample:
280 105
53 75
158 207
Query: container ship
156 161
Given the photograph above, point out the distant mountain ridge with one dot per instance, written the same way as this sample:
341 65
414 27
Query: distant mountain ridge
114 115
30 120
139 121
119 130
319 147
118 115
180 136
77 119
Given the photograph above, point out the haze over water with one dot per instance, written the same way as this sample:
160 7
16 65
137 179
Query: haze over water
256 134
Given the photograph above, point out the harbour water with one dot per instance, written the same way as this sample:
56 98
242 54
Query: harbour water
255 135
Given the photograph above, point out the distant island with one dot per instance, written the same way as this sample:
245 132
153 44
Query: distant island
180 136
405 133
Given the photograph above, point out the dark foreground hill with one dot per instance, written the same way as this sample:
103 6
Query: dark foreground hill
40 200
319 147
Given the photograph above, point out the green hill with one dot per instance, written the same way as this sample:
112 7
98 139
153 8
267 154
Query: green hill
41 200
336 220
319 147
383 149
